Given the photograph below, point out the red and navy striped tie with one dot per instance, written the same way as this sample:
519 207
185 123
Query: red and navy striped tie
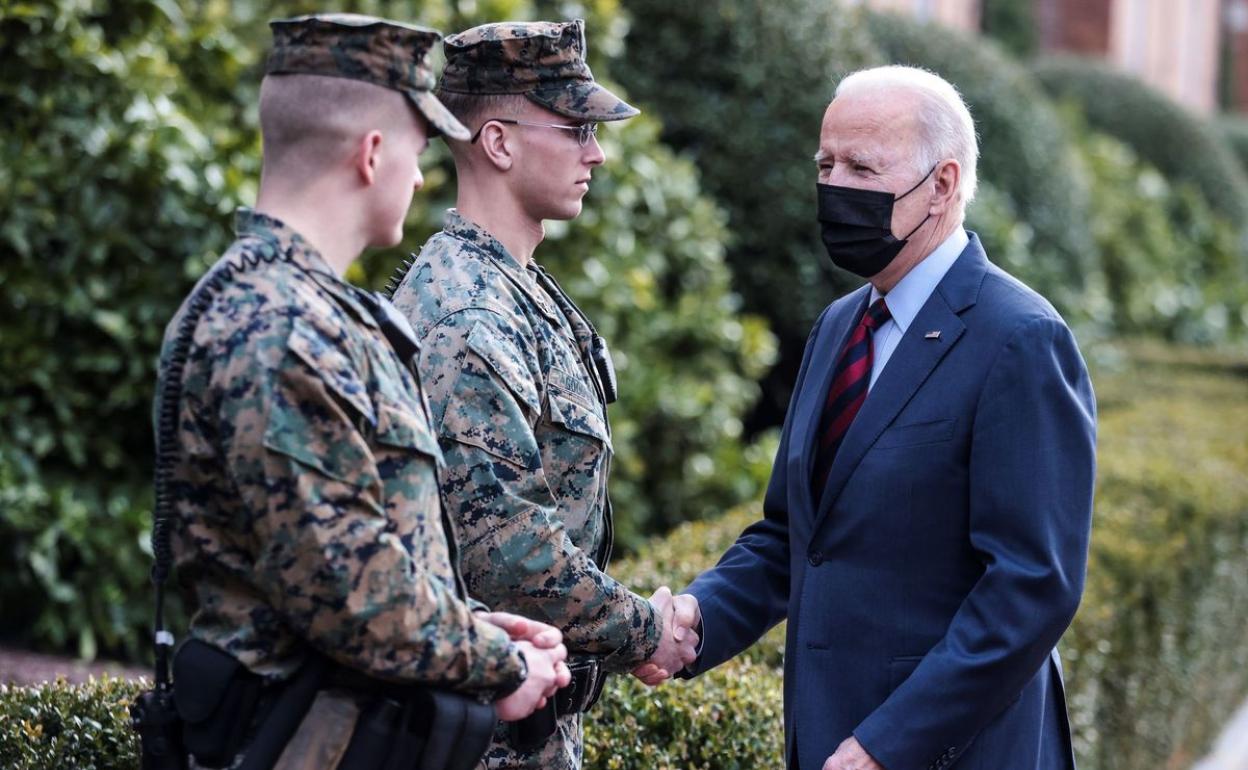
848 391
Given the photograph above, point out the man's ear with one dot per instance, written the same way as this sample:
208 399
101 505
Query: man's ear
948 175
497 145
368 157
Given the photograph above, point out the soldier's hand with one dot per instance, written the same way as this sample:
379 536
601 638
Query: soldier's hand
522 629
678 645
547 673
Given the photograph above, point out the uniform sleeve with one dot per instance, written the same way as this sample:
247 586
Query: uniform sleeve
327 555
480 375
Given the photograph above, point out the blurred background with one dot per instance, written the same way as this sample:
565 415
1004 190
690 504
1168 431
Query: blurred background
1114 180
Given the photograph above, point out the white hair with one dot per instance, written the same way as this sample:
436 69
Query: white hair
945 125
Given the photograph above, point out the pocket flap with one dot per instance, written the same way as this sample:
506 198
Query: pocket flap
929 432
334 367
504 357
577 417
399 428
201 675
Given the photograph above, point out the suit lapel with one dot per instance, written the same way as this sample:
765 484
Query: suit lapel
811 400
914 359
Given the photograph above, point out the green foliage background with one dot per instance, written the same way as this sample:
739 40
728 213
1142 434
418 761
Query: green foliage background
1179 144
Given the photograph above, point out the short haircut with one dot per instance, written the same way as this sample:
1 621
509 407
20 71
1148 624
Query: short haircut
307 121
474 109
946 129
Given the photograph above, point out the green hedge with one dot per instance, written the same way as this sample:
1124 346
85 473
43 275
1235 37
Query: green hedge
1156 660
1026 151
1179 144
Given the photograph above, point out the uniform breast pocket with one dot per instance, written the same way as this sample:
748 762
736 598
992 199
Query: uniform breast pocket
575 445
401 429
916 434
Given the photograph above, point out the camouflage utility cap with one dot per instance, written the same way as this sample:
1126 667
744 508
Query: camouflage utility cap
543 60
377 51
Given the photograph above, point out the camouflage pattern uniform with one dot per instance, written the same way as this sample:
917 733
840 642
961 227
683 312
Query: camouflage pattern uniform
518 404
306 468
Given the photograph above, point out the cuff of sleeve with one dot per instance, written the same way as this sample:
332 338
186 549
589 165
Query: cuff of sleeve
644 643
522 673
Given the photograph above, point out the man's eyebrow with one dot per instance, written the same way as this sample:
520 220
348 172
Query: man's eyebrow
820 156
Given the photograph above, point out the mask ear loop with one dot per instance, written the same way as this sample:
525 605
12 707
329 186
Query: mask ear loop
912 189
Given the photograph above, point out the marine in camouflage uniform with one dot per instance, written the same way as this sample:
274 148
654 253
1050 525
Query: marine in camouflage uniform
306 475
517 401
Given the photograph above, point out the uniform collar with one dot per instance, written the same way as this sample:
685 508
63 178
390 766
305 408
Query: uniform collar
463 228
282 239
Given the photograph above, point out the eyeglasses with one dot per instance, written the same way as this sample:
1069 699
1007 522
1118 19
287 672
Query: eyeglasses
583 132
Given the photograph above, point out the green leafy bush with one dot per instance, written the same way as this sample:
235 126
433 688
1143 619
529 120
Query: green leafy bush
57 726
1156 659
115 187
1180 145
1171 265
1234 131
1026 152
741 86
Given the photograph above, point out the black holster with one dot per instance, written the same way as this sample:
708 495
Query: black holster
217 699
532 732
225 709
420 729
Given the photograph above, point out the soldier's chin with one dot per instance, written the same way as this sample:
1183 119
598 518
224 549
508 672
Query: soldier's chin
570 210
392 238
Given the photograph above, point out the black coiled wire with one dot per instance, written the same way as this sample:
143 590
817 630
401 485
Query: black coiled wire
169 397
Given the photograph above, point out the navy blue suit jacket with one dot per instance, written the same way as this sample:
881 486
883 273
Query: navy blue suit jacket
926 591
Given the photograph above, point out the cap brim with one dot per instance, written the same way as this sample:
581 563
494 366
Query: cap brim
584 100
441 121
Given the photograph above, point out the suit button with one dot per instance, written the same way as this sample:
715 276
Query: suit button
815 558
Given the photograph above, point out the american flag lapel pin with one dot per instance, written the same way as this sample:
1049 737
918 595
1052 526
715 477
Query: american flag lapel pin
932 335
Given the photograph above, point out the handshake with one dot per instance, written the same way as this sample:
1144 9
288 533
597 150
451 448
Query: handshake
678 646
546 657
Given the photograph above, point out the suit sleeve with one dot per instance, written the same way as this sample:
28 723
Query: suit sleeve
1032 467
327 558
747 591
479 373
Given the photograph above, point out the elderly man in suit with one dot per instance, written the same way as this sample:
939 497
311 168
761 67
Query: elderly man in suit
926 527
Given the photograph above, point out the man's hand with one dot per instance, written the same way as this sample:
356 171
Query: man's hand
547 673
850 755
522 629
678 646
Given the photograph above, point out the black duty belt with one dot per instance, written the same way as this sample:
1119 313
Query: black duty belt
579 696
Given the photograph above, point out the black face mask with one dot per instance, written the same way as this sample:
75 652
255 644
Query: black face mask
857 226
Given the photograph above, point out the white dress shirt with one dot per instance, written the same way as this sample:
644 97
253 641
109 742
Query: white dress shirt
909 295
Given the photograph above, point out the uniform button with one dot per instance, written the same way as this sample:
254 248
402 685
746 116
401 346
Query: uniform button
815 558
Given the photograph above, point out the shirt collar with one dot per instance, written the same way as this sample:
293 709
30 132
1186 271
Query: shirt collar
295 249
463 228
907 298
